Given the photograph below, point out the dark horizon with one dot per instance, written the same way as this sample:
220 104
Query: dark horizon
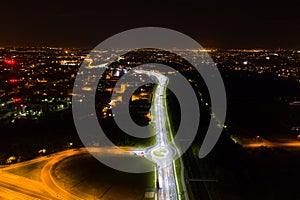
205 47
225 24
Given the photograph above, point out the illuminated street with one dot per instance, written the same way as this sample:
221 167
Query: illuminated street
13 186
24 188
266 143
162 153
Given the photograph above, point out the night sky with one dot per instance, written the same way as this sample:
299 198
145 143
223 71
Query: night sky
223 24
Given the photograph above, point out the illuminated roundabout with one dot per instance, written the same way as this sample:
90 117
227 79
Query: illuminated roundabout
161 155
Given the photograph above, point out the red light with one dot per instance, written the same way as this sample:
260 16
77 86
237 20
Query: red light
10 61
16 100
13 80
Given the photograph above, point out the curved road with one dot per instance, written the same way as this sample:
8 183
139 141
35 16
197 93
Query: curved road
18 187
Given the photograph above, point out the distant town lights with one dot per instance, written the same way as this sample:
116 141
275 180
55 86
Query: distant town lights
13 80
10 61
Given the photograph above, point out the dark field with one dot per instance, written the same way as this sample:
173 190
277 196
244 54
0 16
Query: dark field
89 179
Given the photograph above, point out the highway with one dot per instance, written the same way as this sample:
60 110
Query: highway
164 157
286 143
163 152
17 187
13 186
